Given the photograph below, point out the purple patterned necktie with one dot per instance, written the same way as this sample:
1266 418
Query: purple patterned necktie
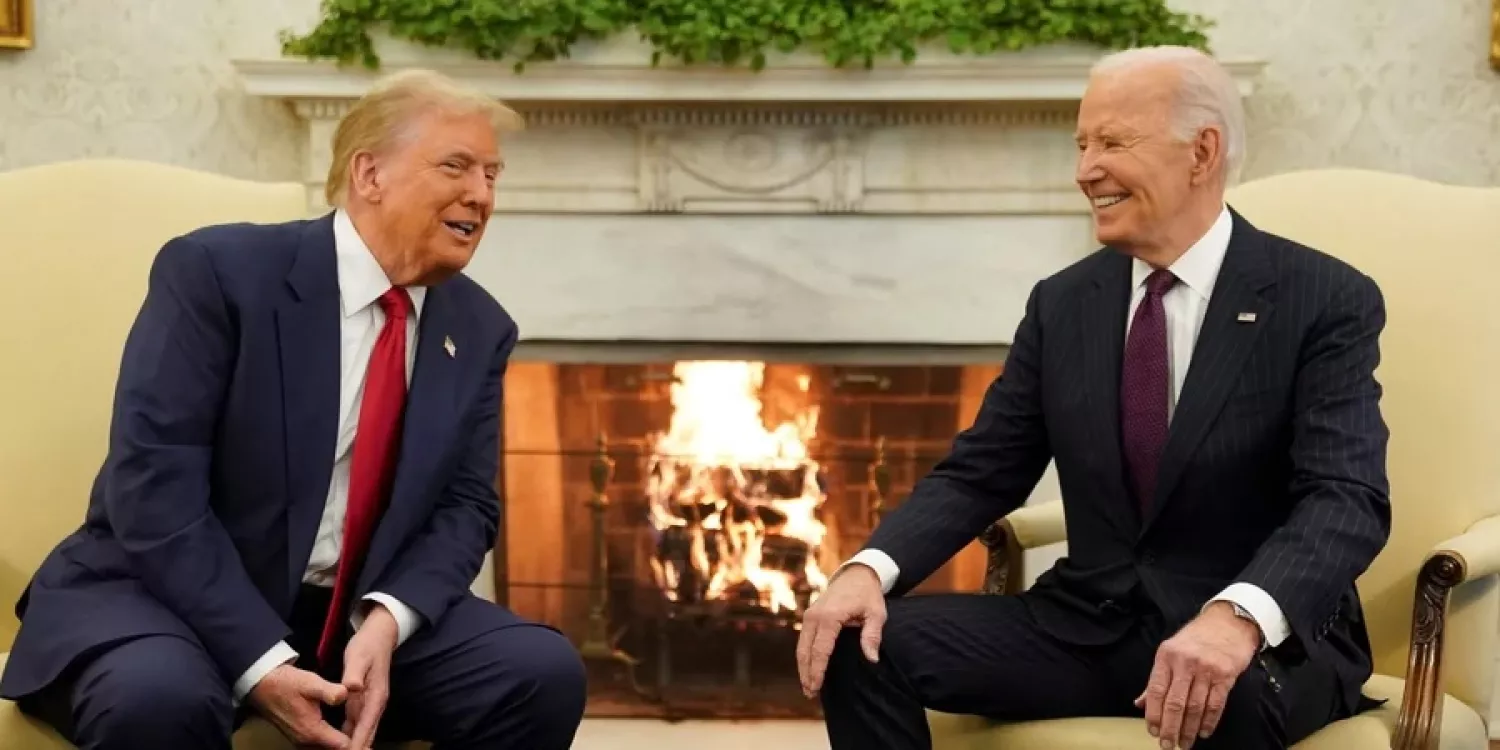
1144 389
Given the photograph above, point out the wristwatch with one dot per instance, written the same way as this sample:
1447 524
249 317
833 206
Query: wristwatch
1244 614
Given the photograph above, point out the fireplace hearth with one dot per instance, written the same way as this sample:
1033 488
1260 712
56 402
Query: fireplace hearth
675 518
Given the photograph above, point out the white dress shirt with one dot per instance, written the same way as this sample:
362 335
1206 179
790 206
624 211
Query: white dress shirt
361 282
1185 305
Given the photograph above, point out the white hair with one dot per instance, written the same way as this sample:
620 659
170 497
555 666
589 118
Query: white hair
1206 95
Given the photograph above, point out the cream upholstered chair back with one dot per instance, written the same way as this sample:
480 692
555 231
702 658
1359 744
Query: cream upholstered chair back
78 239
1435 252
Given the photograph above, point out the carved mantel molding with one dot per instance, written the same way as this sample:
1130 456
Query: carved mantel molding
609 133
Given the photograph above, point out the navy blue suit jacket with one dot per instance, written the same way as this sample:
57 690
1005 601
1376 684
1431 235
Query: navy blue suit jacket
1274 471
202 519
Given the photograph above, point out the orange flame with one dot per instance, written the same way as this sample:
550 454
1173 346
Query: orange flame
719 480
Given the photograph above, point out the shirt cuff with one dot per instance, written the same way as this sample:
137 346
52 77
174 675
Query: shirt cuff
1274 627
885 568
279 654
407 619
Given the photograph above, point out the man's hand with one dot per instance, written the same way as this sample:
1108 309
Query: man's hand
1194 671
367 675
852 597
293 699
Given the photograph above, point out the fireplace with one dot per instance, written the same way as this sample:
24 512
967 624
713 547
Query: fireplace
823 267
675 516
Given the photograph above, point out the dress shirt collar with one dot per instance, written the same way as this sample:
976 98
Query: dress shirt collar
361 279
1198 268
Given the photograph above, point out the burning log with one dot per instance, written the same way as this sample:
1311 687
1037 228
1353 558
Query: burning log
734 506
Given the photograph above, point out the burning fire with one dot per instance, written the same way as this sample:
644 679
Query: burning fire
734 504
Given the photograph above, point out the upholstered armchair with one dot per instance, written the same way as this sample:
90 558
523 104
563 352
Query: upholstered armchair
1430 599
78 242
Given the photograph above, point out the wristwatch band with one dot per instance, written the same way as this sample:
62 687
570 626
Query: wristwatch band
1244 614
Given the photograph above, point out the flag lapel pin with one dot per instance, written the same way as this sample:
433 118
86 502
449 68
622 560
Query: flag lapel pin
449 347
1245 317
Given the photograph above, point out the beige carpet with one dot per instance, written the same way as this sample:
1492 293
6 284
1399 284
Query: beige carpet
652 734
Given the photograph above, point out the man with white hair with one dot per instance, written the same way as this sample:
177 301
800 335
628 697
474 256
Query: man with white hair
299 489
1207 392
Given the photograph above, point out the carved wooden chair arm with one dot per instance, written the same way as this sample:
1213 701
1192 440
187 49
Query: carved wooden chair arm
1009 538
1470 556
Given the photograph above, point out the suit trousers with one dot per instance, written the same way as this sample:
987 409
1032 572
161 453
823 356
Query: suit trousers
514 685
986 655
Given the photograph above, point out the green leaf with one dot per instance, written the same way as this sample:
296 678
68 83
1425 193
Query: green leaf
740 32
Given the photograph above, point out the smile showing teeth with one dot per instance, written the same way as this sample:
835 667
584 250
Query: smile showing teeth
1105 201
462 228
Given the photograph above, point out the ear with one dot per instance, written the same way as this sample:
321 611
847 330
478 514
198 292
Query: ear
365 177
1208 154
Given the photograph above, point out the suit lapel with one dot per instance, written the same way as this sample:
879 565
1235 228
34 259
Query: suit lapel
428 426
1103 317
1224 343
307 329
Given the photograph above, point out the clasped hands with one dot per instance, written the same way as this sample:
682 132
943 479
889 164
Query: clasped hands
1193 673
293 698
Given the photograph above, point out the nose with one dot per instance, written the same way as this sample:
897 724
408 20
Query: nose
479 192
1088 166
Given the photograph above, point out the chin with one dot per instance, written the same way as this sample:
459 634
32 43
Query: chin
1106 235
1113 233
443 263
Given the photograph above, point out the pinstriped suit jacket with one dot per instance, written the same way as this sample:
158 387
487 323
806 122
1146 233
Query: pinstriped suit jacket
1274 471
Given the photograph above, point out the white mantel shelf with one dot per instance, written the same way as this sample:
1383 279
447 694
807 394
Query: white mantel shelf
1055 80
619 71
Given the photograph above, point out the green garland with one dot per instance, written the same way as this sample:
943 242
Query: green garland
738 32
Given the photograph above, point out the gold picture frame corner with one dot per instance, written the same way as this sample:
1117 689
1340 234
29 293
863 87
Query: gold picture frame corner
1495 35
17 24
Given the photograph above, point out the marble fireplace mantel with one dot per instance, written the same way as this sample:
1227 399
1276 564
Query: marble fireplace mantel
804 204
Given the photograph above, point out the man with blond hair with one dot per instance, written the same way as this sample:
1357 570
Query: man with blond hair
299 489
1207 392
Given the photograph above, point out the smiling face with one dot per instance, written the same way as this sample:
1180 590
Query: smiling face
428 196
1151 192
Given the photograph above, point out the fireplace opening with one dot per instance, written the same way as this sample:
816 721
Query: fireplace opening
675 517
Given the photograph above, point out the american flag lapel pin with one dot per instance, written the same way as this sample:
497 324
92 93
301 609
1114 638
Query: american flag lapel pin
1245 317
449 347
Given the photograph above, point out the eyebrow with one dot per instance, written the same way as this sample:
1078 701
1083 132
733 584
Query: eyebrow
469 158
1109 133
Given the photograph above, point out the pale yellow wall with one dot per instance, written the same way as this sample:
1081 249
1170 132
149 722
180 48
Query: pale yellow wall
1398 85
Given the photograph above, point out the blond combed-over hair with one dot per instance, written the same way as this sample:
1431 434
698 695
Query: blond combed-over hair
386 112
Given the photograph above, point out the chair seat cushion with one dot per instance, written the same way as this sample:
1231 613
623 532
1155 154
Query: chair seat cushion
21 732
1462 729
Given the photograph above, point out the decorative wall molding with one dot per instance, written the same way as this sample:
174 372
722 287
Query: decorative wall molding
608 133
751 169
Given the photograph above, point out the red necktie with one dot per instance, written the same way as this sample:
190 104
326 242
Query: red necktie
373 467
1144 389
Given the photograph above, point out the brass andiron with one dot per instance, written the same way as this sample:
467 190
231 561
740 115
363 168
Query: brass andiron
597 643
880 483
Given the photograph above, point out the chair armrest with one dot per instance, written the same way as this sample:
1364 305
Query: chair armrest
1008 539
1470 556
1037 525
